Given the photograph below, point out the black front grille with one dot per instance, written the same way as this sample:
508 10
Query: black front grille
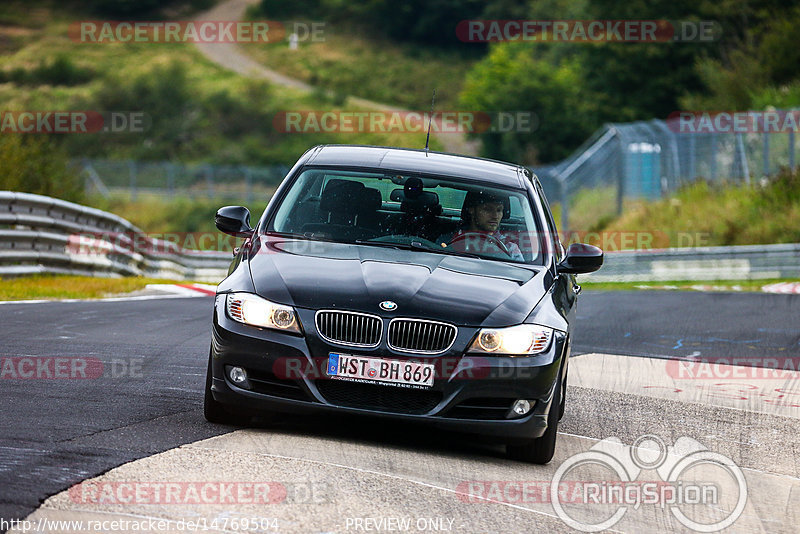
269 384
420 336
378 397
481 408
349 328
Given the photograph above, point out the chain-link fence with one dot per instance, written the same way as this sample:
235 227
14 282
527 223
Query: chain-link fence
171 180
647 160
638 160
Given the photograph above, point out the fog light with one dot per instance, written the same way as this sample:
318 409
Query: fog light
522 406
238 375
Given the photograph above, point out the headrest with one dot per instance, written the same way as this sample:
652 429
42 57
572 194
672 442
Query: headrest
425 199
350 197
339 195
372 199
413 187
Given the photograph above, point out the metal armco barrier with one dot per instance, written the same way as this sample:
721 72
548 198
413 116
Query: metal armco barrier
39 234
701 263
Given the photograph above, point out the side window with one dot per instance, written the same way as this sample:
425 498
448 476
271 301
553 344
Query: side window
451 198
299 204
516 207
558 249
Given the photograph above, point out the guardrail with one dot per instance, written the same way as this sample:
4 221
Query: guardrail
39 234
701 263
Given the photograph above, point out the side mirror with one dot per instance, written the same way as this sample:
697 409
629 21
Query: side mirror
234 220
581 259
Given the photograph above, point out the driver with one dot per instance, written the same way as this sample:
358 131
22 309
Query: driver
481 214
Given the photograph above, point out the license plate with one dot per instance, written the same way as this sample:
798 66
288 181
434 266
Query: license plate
377 370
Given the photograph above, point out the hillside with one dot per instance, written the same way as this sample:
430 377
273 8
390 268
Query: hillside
197 110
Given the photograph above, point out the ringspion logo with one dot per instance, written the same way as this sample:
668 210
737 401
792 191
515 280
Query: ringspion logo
692 480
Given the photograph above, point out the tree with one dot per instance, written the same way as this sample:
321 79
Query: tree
511 78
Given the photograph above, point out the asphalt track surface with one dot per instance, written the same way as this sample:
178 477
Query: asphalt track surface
749 327
56 433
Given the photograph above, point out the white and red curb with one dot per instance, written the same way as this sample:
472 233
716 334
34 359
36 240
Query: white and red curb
786 288
156 291
188 290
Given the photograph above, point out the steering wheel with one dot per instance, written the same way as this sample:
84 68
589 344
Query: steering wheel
481 236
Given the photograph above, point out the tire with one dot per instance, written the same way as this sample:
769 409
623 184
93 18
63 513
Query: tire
216 412
540 450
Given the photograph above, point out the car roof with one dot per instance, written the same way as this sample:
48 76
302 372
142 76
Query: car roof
421 161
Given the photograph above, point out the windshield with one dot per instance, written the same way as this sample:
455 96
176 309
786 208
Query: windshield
423 213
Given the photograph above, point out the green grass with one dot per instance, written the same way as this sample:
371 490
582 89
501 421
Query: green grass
700 214
200 111
83 287
379 70
590 209
684 285
721 214
154 214
72 287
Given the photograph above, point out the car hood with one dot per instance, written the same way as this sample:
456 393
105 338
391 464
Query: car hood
459 290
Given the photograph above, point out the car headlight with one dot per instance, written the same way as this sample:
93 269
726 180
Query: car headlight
521 340
251 309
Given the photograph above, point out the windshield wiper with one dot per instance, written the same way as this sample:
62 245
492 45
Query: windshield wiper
416 245
310 236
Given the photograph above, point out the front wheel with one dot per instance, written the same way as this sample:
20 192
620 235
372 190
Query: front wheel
541 450
216 412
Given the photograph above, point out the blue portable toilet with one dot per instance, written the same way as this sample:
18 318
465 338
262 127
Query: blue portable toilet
643 170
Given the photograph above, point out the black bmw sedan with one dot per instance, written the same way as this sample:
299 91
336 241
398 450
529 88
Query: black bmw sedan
405 284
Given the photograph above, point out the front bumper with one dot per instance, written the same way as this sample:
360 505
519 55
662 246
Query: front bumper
474 395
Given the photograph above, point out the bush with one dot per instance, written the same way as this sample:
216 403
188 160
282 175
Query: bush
61 71
164 95
724 213
511 78
419 21
34 164
183 123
